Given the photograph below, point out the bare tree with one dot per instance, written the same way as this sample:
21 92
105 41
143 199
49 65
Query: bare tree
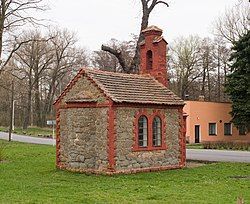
235 22
106 61
220 55
206 51
67 58
133 66
45 64
14 14
5 84
185 62
32 60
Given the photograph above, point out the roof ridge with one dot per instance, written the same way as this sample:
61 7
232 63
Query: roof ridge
130 75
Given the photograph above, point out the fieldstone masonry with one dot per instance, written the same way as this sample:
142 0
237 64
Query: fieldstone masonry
83 86
127 159
83 139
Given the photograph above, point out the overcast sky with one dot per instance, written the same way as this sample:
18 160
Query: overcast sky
97 21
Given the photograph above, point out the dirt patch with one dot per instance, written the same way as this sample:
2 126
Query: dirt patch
196 163
240 177
191 164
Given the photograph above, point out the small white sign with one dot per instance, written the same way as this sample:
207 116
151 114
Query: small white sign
51 122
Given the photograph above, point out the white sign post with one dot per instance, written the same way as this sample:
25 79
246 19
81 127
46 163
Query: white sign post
53 123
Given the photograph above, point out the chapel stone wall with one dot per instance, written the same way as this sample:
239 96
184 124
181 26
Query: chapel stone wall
83 139
127 159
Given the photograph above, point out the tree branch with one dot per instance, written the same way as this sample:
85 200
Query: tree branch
162 2
154 3
133 66
118 55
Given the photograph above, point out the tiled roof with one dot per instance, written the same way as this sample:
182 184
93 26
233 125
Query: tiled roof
133 88
158 39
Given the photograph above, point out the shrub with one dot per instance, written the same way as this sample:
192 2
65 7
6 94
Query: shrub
232 145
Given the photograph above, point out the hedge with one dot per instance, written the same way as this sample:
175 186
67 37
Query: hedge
232 145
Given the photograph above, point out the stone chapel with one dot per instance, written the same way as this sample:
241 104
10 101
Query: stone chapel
122 123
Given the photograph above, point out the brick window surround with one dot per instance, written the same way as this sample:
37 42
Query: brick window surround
150 118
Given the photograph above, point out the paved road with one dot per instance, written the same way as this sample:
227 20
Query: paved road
193 154
218 155
27 139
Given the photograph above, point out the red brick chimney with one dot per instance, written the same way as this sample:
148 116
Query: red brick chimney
153 54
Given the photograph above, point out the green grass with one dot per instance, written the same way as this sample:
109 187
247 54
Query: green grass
31 131
28 175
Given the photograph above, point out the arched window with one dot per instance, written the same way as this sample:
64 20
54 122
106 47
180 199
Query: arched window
143 131
156 131
149 60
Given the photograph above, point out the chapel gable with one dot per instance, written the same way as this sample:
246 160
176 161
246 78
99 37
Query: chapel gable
81 89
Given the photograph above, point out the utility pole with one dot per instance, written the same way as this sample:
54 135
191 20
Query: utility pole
11 109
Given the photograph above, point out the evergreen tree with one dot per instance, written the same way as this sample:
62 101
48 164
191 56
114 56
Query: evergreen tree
238 84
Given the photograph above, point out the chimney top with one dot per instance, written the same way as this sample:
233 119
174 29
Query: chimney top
152 30
201 98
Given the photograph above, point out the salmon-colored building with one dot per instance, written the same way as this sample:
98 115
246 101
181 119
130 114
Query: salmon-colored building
210 121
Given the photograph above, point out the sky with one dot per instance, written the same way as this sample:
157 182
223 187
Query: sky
97 21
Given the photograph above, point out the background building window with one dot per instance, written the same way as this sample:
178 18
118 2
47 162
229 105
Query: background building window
157 131
242 130
212 129
143 131
227 129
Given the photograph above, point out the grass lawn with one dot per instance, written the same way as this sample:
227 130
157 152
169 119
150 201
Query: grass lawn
28 175
31 131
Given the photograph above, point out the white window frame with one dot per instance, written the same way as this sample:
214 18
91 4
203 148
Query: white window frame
144 133
215 129
158 131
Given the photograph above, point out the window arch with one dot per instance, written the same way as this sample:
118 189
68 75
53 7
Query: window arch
157 131
149 130
149 59
143 131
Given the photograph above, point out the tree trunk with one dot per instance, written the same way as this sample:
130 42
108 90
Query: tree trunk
218 79
2 18
27 114
49 99
203 81
208 85
225 81
38 119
